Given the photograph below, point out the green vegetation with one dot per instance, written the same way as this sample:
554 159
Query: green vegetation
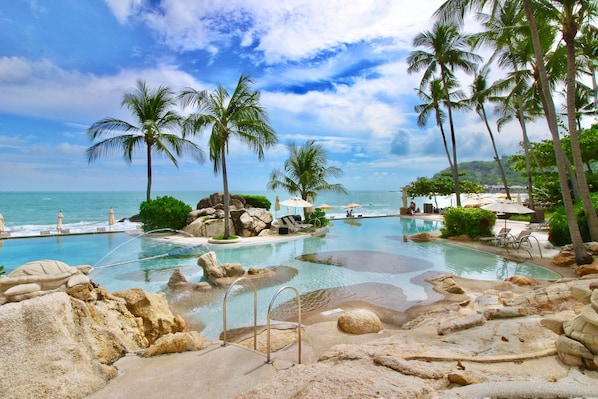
1 270
163 212
559 225
317 218
305 173
488 172
473 222
443 185
257 201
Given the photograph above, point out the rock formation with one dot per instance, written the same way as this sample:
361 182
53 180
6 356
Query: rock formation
225 274
39 278
65 338
208 219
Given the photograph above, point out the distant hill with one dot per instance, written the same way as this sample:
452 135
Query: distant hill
487 173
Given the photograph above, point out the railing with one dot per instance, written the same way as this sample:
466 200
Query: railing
298 323
254 311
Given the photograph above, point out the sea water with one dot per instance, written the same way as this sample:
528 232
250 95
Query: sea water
29 213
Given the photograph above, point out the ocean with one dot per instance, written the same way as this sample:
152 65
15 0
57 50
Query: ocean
29 213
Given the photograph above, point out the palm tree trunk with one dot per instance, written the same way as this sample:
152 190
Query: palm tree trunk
569 35
528 164
453 140
500 168
581 254
148 193
226 235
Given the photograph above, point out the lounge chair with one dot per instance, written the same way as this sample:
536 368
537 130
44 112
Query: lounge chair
517 242
499 238
292 224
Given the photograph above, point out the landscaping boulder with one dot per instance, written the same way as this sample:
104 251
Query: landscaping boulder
359 321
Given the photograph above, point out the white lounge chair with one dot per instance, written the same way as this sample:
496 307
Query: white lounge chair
499 238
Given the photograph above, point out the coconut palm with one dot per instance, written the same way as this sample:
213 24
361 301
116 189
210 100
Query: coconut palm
455 10
480 93
305 172
446 51
155 128
238 116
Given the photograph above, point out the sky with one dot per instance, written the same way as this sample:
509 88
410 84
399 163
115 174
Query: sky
333 71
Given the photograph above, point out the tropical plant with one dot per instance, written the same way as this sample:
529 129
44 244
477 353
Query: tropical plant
306 172
317 218
163 213
473 222
257 201
238 116
156 124
480 93
446 51
442 185
454 10
1 270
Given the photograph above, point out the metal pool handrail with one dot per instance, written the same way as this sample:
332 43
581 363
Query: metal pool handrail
298 322
254 311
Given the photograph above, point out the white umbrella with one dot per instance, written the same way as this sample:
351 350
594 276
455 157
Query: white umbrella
508 207
59 221
475 202
352 205
296 202
111 218
1 223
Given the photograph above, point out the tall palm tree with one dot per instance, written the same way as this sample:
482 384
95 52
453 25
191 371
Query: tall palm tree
454 10
156 124
433 100
306 172
238 116
447 51
480 93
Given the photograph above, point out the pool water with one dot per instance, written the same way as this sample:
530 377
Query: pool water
369 253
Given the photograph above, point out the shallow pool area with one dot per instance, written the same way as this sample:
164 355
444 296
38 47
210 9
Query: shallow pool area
357 258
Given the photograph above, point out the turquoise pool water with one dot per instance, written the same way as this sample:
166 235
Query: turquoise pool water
364 251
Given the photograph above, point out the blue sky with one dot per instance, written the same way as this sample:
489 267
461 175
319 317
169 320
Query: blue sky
333 71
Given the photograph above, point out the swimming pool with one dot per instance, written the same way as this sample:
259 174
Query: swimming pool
369 253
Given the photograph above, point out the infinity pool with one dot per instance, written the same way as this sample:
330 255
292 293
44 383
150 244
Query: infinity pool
353 259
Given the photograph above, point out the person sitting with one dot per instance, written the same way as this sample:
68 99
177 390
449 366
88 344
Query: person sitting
412 209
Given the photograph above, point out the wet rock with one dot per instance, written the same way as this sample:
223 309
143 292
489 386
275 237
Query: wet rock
233 269
521 280
177 278
564 259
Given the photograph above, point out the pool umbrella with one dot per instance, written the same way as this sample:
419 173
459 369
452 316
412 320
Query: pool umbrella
476 202
352 205
1 223
508 207
325 207
59 221
111 218
296 202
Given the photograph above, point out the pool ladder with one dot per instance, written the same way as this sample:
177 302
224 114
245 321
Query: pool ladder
268 360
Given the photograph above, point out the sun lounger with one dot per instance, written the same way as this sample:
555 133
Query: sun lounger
517 242
291 223
499 238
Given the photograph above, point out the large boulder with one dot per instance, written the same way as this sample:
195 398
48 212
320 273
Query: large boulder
359 321
245 221
152 308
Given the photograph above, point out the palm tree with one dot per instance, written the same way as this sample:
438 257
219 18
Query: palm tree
455 10
305 172
154 128
446 52
239 116
433 100
479 95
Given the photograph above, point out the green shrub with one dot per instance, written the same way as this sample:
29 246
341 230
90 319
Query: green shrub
257 201
559 233
473 222
1 270
163 212
317 218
